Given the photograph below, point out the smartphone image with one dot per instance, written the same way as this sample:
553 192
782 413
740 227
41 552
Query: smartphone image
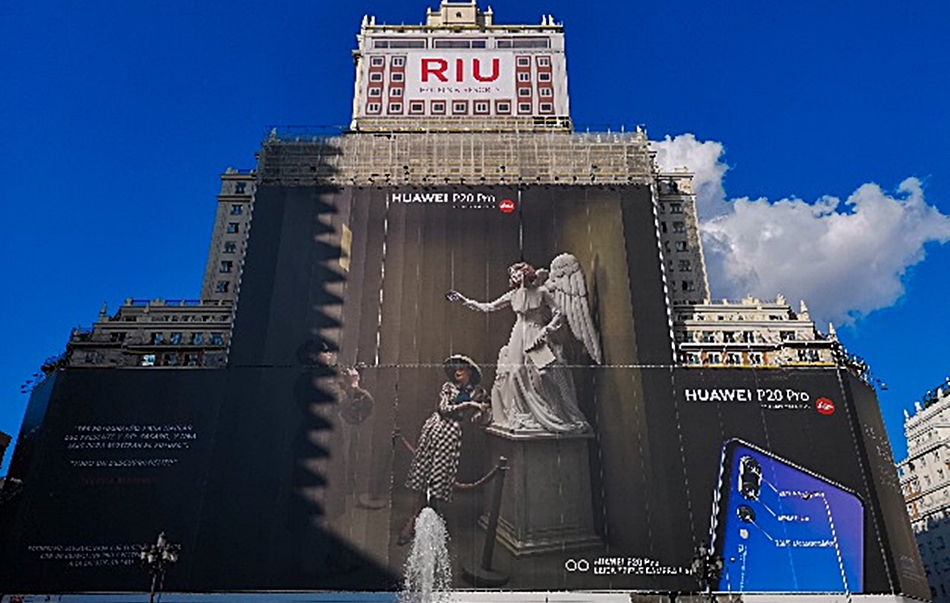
779 527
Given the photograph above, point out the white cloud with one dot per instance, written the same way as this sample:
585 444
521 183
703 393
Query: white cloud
704 160
844 259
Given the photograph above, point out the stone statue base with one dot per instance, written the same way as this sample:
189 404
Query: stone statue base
546 502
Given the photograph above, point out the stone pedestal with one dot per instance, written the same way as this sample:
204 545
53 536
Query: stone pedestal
546 502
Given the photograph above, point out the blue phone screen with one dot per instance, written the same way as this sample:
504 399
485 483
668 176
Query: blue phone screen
781 528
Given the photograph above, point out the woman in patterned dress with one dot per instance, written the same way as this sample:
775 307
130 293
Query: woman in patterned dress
436 460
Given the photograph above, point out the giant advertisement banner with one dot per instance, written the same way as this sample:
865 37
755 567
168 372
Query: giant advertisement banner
396 348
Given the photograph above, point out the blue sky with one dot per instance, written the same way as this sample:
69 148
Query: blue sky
116 119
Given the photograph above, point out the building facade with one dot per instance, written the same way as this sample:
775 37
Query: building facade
925 482
178 333
460 70
628 443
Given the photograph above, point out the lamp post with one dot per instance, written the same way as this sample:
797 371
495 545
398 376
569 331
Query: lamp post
157 557
706 568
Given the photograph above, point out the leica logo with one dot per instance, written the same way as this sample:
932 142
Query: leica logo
443 70
825 406
506 206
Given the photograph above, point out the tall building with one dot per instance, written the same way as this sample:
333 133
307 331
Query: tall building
925 481
178 333
360 286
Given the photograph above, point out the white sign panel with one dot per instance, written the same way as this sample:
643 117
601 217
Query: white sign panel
460 75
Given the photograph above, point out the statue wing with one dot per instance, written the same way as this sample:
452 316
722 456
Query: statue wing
566 283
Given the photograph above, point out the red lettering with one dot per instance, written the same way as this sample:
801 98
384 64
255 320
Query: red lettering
439 71
477 70
437 68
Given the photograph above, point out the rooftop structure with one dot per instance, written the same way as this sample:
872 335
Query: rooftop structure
460 70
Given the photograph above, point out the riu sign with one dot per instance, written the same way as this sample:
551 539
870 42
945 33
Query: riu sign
460 75
441 70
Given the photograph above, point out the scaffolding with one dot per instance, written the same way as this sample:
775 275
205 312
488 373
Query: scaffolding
443 157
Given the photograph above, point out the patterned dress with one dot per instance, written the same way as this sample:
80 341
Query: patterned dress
436 460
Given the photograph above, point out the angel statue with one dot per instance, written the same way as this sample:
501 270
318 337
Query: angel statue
533 388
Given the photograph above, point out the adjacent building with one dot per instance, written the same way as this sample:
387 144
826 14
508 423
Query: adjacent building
925 482
192 333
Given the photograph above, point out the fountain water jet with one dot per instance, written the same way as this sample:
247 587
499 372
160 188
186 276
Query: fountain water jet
428 571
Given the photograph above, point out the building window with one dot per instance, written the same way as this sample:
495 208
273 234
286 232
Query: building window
524 91
395 92
373 108
544 76
756 358
217 339
170 359
196 338
481 107
707 336
230 247
524 76
239 188
396 76
438 107
748 336
399 61
459 44
733 358
692 358
376 77
547 108
222 287
375 92
233 227
158 338
729 336
117 337
226 266
689 286
417 107
679 227
175 339
685 266
714 358
524 107
522 61
787 335
148 360
376 61
808 356
676 208
503 108
546 92
544 61
682 246
237 209
191 359
459 107
395 107
403 43
523 43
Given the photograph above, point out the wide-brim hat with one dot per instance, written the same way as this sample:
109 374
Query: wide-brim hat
449 365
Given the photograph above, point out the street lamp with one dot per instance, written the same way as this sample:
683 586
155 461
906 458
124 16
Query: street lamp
157 557
706 567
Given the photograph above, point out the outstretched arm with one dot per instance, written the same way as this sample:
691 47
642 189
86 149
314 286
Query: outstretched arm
498 304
